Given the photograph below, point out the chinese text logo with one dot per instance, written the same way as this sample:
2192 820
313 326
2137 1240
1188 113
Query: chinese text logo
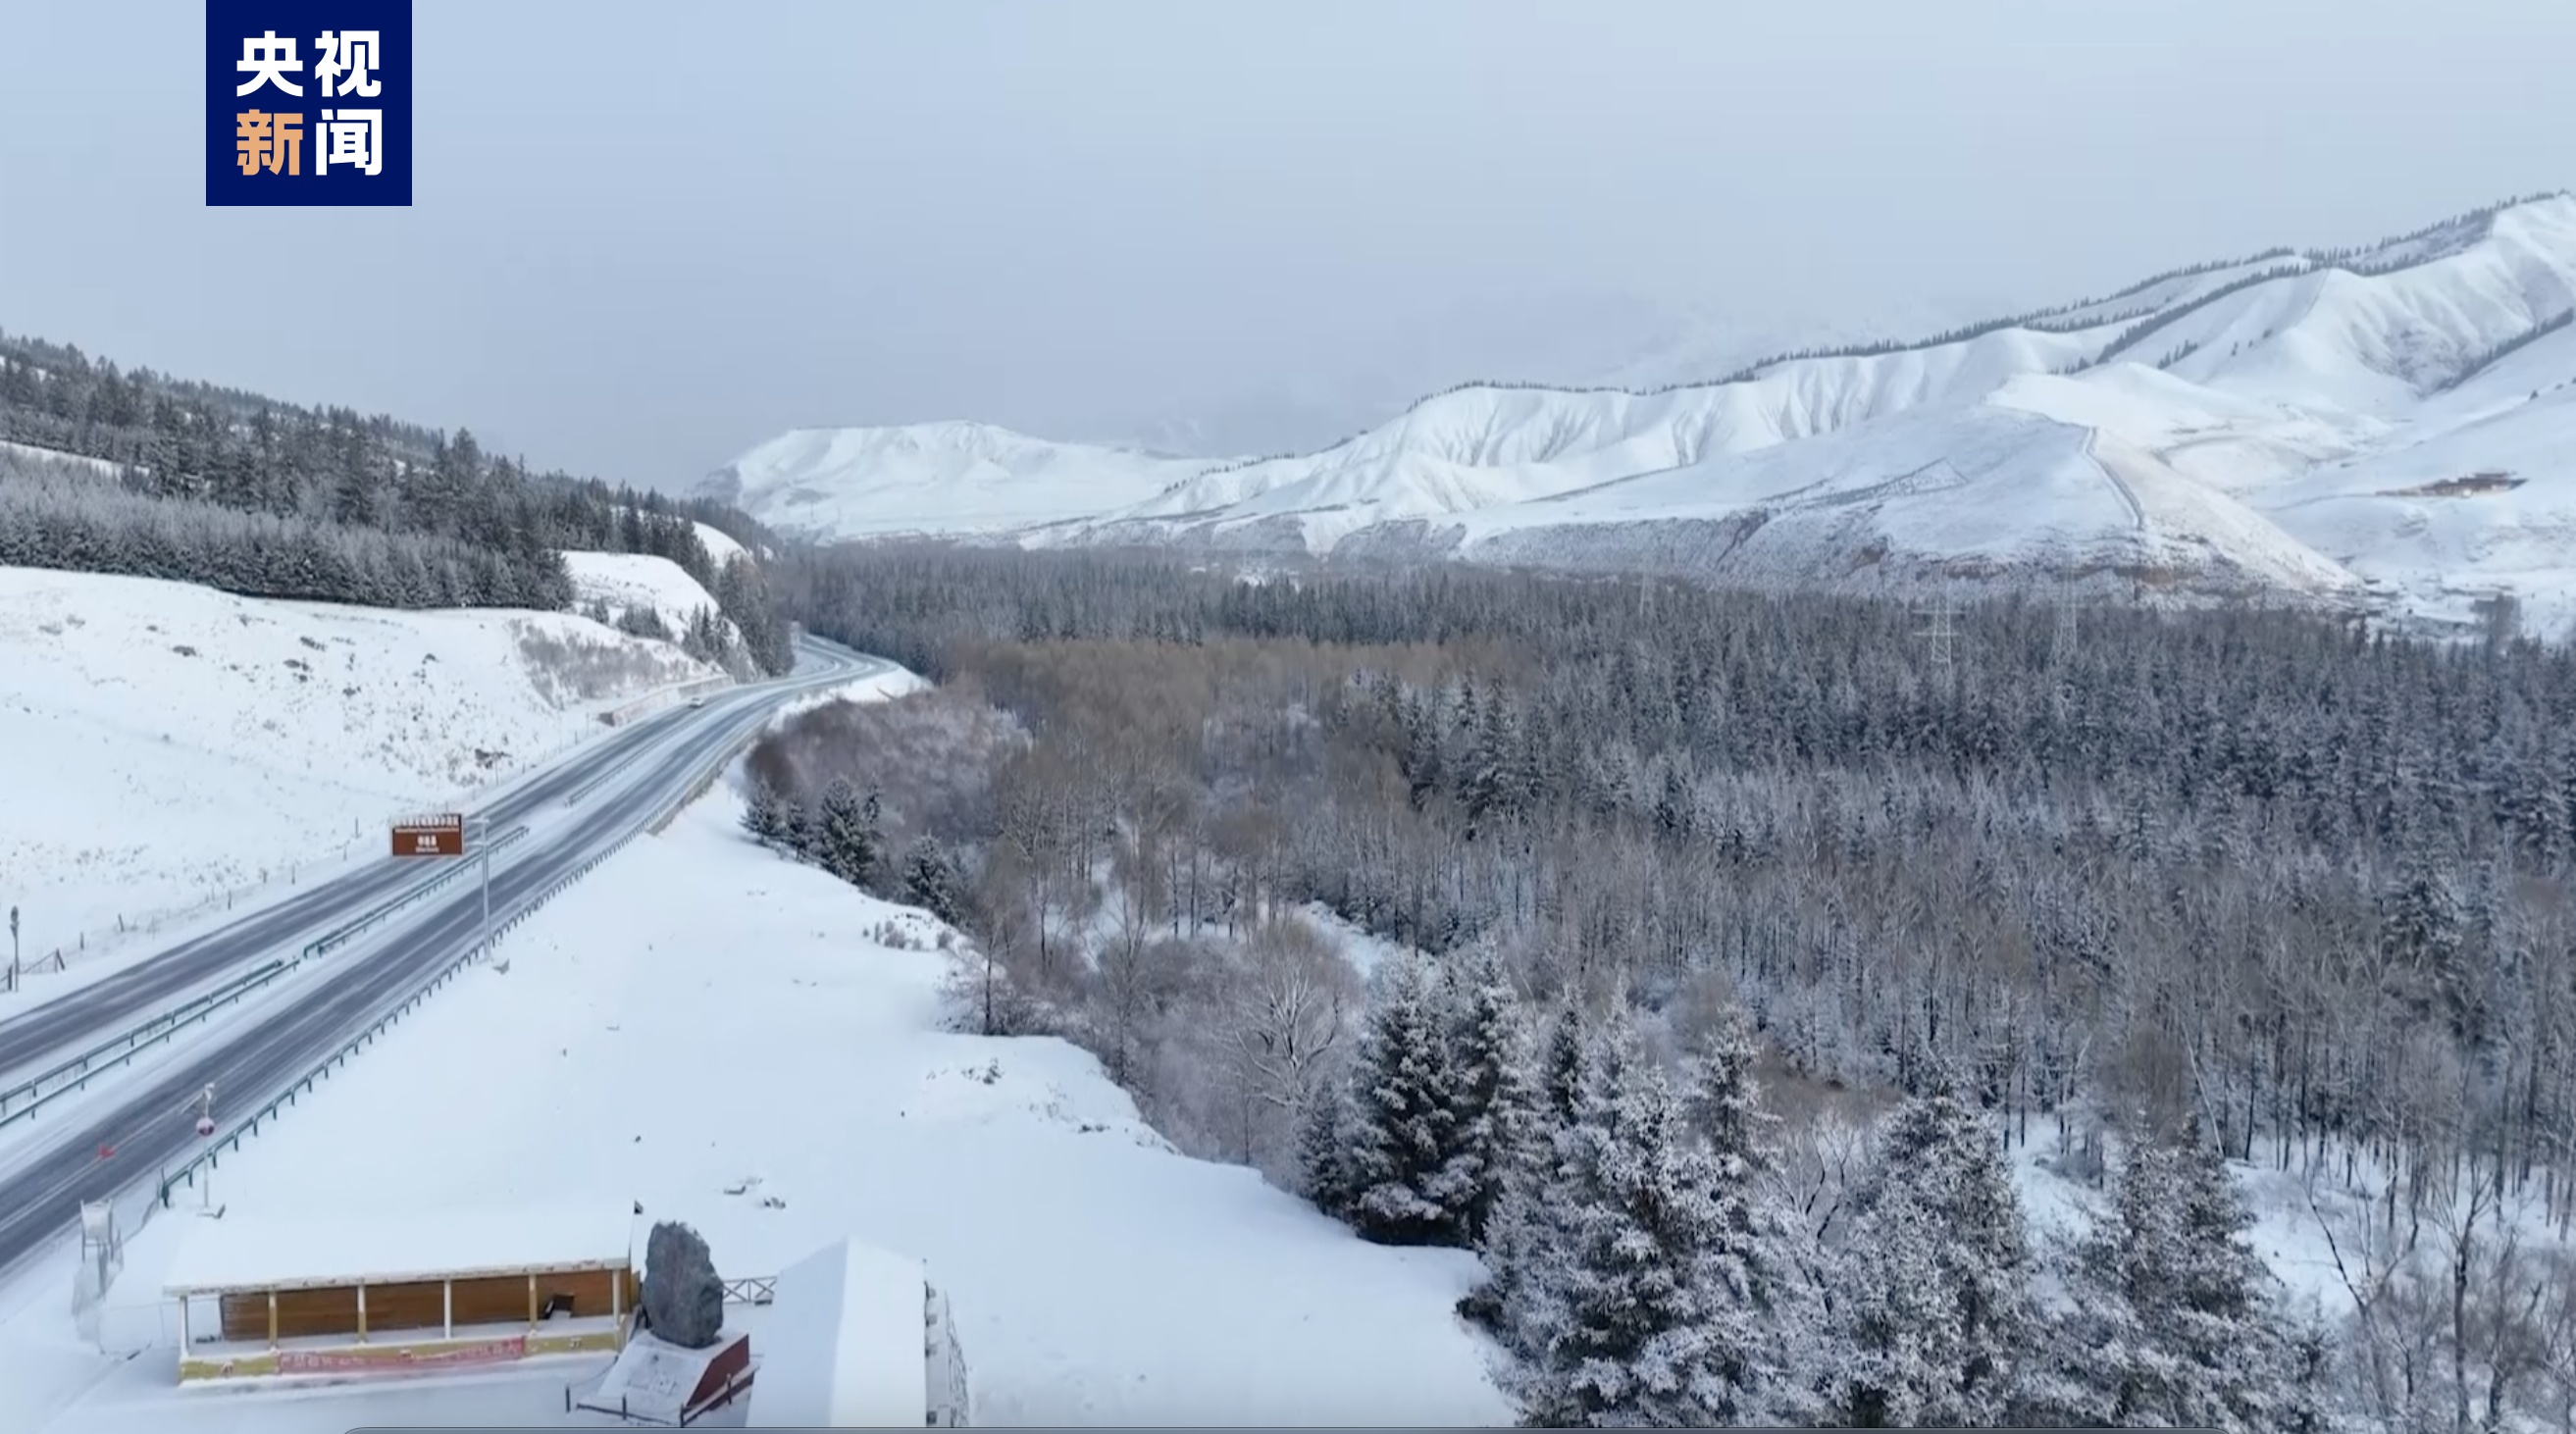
308 102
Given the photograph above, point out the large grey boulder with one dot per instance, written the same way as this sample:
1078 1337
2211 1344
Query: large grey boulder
683 1297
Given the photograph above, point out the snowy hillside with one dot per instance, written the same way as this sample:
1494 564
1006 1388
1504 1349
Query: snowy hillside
2290 420
932 477
1095 1277
628 581
161 744
720 544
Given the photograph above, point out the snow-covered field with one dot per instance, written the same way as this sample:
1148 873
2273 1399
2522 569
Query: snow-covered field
2264 424
162 745
699 1016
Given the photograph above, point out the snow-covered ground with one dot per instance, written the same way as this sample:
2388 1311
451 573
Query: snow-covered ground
719 544
626 581
699 1016
163 746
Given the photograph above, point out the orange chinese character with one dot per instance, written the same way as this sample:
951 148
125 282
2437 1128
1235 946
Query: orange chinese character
272 142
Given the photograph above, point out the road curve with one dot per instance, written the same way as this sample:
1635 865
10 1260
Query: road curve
79 1019
149 1123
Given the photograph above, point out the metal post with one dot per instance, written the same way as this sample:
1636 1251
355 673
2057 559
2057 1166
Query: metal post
483 843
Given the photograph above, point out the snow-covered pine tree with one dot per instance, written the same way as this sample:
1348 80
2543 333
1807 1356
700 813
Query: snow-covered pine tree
930 879
2173 1321
1932 1285
1323 1146
1488 1065
764 815
1627 1329
1724 1098
848 838
1402 1131
1752 1267
1561 1066
805 830
1521 1233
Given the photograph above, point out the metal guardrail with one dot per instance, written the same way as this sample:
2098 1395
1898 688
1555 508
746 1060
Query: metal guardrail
25 1099
216 1145
250 1124
29 1096
330 941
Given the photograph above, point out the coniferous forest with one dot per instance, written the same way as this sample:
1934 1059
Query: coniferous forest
1736 948
215 486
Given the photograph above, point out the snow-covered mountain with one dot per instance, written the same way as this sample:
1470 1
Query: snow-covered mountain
2391 422
955 477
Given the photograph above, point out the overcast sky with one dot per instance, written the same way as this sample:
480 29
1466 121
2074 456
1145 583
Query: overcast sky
647 235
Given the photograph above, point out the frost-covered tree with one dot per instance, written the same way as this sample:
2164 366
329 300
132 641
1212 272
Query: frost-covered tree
1488 1064
1323 1148
764 815
1932 1284
1521 1232
1631 1321
2171 1319
930 879
1403 1129
849 838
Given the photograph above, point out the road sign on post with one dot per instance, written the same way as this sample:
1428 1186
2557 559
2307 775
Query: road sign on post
430 836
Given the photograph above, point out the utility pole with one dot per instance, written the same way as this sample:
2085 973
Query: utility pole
483 845
13 948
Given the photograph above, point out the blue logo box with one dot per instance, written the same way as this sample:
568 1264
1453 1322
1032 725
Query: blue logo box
308 102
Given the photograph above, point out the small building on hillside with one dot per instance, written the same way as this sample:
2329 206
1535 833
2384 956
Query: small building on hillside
269 1296
856 1338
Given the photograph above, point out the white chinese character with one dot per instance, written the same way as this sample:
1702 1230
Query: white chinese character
266 60
351 137
354 51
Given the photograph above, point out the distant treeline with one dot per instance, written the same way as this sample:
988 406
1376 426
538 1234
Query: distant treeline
236 491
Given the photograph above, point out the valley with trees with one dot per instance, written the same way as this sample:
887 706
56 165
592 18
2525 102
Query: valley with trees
1730 951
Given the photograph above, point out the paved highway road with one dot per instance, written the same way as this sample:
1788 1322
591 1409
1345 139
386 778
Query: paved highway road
78 1020
148 1122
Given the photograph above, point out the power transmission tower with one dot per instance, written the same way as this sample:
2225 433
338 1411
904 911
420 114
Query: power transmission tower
1941 630
2061 650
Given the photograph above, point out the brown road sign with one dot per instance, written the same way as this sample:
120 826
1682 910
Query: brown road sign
430 836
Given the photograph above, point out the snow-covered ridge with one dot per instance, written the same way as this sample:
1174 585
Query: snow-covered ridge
932 478
2250 420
